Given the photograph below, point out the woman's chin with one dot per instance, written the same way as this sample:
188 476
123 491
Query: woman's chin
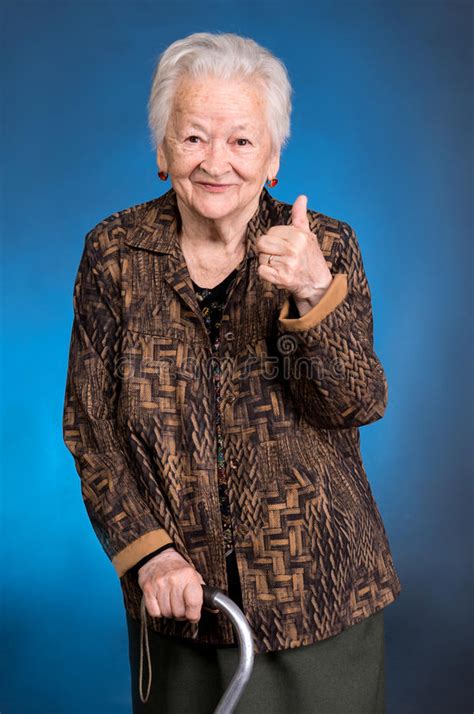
214 208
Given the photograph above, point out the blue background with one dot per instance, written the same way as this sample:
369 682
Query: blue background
381 132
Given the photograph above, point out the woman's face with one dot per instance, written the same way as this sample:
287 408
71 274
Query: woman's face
217 134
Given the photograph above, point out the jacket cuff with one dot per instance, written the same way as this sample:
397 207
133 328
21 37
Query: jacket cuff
334 295
138 549
135 568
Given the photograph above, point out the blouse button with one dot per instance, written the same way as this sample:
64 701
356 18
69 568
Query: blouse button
229 336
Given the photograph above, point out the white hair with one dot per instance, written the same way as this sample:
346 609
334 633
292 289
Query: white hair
227 56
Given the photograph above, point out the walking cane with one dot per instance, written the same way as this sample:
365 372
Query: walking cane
215 598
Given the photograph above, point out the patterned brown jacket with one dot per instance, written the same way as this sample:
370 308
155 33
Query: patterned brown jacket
312 551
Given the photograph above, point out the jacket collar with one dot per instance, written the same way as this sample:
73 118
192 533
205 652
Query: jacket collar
158 226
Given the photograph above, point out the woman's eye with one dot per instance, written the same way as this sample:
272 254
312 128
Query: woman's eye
193 136
243 140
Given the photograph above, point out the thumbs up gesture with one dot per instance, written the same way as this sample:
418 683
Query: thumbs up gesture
296 261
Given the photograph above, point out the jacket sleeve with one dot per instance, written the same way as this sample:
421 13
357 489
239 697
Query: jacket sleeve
119 515
334 374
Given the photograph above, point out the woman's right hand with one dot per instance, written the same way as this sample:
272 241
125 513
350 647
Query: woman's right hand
171 587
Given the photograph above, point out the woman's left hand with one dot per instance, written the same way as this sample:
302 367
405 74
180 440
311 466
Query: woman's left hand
297 262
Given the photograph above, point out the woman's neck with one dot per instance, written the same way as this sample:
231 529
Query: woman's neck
212 249
209 264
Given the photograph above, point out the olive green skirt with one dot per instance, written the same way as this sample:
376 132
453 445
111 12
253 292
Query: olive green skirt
343 674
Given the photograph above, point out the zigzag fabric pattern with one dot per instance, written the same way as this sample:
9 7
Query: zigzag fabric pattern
311 548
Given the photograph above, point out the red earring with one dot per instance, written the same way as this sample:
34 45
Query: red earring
163 175
272 182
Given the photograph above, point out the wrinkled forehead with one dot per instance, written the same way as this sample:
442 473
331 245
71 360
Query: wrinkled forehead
234 104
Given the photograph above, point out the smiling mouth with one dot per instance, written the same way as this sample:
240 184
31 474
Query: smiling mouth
214 186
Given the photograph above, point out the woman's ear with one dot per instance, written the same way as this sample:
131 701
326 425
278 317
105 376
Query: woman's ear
274 165
161 161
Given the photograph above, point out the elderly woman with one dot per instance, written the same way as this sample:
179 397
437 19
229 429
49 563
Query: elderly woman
221 363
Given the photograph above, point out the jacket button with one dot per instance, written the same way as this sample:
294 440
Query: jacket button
229 336
233 464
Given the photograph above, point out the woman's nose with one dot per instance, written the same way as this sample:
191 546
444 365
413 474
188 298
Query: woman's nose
216 161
